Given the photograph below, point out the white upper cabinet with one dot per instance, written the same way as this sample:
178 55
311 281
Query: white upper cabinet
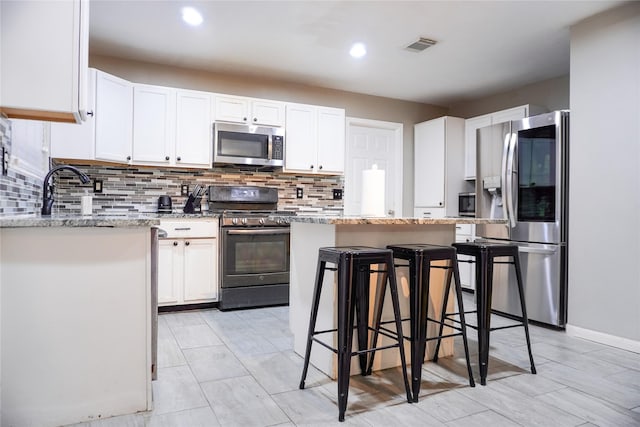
194 127
475 123
171 127
114 118
438 166
314 139
240 109
153 124
107 132
44 57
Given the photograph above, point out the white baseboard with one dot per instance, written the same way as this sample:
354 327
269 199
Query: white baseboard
602 338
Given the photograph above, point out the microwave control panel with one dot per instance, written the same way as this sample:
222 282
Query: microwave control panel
277 147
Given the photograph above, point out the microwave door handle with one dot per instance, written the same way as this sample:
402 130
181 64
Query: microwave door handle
270 147
509 180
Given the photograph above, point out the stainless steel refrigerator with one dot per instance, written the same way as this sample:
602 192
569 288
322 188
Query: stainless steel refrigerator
522 175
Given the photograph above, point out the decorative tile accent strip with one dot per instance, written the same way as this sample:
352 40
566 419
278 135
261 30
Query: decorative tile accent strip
19 194
136 189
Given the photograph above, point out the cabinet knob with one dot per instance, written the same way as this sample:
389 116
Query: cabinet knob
90 113
178 158
186 243
244 119
320 167
440 203
128 158
255 119
311 166
166 158
175 243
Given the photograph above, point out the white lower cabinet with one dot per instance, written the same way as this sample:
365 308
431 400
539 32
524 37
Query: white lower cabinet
466 233
188 262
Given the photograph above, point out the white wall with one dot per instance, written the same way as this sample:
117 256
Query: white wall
604 200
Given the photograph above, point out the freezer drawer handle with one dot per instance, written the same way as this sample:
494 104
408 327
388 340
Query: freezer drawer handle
537 251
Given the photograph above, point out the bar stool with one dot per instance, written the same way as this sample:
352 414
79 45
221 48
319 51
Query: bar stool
485 255
353 265
420 257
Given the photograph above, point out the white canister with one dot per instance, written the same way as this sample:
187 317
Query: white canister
86 203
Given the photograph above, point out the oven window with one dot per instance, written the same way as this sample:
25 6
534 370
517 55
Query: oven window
260 257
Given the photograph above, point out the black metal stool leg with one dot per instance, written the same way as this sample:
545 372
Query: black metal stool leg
346 308
362 312
523 305
484 314
445 301
463 324
393 287
314 316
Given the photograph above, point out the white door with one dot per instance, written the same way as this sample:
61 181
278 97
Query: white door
372 142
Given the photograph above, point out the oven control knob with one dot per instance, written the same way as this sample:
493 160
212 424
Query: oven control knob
244 221
261 220
234 221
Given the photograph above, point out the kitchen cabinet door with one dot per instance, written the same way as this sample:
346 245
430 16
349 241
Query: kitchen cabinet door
153 124
270 113
301 138
114 118
470 128
331 140
44 59
170 267
429 158
240 109
200 270
194 124
232 109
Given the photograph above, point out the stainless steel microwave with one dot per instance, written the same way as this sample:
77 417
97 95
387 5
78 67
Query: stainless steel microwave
241 144
467 204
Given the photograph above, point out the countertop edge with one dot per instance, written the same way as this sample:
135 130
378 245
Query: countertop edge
318 219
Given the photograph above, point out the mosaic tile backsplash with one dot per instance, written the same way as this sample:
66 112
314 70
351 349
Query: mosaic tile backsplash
19 193
136 190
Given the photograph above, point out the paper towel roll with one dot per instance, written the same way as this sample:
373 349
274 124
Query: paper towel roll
373 192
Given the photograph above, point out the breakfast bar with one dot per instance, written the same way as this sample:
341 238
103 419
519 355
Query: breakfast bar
309 233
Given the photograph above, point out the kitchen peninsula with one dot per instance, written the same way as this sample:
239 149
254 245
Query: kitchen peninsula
309 233
76 318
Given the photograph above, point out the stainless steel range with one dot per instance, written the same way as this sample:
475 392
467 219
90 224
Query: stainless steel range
254 250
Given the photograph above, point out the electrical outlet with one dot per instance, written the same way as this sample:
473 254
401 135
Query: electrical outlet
97 186
299 193
337 194
184 190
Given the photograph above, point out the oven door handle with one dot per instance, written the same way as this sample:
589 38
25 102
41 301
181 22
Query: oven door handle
261 231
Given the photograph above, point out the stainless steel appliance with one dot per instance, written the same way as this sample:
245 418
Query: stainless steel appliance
522 176
467 204
254 249
248 145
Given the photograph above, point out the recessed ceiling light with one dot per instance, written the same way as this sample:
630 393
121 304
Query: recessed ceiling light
191 16
358 50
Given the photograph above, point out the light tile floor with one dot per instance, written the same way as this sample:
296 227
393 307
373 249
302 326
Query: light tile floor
238 369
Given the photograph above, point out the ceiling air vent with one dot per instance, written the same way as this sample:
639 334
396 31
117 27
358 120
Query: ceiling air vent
421 44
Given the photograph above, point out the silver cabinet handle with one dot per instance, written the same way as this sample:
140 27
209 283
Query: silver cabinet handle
182 228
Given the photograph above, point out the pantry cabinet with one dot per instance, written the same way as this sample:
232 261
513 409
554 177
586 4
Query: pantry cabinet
188 262
240 109
44 55
107 134
475 123
315 139
438 166
171 127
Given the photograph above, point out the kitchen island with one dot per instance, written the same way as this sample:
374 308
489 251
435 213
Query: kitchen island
76 310
309 233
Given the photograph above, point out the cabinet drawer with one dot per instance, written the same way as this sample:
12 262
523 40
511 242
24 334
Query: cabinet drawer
429 212
190 228
465 229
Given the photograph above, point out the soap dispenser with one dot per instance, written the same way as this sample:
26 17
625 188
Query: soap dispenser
86 203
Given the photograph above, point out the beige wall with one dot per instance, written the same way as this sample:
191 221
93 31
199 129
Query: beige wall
551 95
356 105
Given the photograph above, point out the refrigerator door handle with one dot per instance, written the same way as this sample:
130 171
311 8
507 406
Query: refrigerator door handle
537 250
505 156
508 184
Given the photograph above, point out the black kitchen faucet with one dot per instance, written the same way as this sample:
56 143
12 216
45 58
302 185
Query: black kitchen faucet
47 188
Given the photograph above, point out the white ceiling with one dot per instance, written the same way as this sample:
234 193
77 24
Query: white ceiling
484 47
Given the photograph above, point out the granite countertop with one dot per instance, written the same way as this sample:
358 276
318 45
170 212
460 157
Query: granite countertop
355 220
119 221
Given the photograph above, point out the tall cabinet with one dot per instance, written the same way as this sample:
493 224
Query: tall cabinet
438 166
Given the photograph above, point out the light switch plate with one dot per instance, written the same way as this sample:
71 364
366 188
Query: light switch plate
337 194
184 190
299 193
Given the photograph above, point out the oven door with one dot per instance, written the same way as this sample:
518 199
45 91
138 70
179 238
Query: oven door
254 256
